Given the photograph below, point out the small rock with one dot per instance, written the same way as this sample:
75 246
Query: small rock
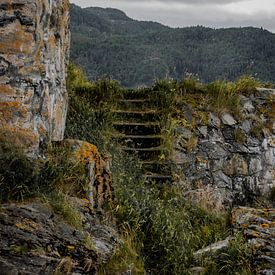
213 248
197 270
236 166
187 111
246 126
214 120
255 166
184 133
228 119
248 107
203 130
221 180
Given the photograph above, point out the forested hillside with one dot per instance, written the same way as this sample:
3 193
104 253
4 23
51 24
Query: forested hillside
105 42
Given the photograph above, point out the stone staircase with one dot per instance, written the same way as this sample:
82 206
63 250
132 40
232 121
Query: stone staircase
138 130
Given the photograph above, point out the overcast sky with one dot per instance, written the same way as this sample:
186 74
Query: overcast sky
182 13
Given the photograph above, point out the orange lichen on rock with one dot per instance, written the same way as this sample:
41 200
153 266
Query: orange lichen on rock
27 225
97 169
15 40
11 110
18 137
265 225
34 53
86 152
6 90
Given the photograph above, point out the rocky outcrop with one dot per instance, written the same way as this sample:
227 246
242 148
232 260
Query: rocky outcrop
99 189
34 48
227 158
258 226
35 240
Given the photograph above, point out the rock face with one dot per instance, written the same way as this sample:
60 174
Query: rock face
34 49
258 226
233 159
35 240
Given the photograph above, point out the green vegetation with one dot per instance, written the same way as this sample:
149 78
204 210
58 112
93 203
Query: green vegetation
19 178
159 229
126 257
89 115
240 136
108 43
61 205
235 260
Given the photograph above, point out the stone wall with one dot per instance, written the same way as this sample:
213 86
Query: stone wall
34 49
227 159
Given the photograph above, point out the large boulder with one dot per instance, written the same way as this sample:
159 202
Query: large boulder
34 50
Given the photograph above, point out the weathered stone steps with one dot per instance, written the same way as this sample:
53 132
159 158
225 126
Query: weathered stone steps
137 121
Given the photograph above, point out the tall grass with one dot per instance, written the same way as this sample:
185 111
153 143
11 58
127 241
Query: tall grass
159 228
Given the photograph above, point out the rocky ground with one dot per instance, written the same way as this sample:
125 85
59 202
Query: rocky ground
35 240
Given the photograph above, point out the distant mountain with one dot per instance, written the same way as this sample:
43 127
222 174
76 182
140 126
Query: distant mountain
107 42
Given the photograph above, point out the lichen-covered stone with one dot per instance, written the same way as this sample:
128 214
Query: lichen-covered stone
34 48
258 227
98 170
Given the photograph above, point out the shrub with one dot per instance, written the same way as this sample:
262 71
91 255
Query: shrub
19 174
90 104
170 228
61 172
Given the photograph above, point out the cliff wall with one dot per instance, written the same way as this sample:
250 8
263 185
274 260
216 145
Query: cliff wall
34 50
228 158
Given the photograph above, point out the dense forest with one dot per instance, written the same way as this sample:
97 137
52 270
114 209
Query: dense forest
105 42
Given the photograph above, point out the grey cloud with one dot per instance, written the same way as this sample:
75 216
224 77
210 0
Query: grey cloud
191 2
177 13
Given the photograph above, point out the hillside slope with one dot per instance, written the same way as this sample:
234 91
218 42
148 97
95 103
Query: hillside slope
107 42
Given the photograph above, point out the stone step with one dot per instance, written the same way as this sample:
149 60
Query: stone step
136 104
158 178
140 141
140 94
144 153
156 166
136 128
136 115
